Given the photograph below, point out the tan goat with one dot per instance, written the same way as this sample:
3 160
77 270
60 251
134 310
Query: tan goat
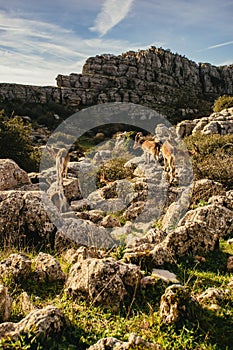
149 146
168 152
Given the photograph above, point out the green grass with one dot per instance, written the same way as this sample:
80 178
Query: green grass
87 323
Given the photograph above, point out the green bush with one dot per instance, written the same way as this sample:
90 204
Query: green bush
113 170
223 102
214 159
15 142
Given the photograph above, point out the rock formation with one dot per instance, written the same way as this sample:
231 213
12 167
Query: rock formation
217 123
154 77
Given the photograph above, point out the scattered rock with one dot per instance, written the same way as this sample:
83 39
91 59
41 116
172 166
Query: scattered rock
102 281
213 295
217 123
5 304
230 264
11 175
47 321
112 343
16 266
74 255
25 303
165 275
176 304
204 189
24 219
49 266
110 221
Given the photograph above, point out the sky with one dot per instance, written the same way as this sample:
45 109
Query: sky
44 38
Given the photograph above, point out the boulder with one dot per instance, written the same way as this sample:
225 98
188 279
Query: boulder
213 295
11 175
24 220
73 255
77 232
217 219
110 221
47 321
47 264
176 305
102 281
204 189
230 264
198 232
5 304
25 304
16 266
133 342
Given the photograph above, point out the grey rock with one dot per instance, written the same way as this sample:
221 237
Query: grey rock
50 266
16 266
11 175
112 343
176 304
5 304
47 321
102 281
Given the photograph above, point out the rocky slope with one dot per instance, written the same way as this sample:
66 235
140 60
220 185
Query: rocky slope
154 77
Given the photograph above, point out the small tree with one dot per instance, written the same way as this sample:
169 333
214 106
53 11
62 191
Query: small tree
15 142
223 102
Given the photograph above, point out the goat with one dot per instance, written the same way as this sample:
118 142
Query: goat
168 152
62 159
149 146
175 156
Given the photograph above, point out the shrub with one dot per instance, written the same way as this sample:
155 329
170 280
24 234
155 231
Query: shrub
113 170
223 102
15 142
214 160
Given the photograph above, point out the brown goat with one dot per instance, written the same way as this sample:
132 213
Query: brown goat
149 146
168 152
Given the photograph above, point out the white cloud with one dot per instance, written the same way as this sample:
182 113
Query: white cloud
112 12
35 52
220 45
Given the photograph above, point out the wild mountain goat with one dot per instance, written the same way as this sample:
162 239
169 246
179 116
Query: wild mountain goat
149 146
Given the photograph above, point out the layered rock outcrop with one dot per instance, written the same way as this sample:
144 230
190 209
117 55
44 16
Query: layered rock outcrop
217 123
154 77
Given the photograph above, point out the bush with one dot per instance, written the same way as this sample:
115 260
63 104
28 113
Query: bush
214 160
15 142
113 170
223 102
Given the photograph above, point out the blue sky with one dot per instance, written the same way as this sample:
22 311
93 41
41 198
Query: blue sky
40 39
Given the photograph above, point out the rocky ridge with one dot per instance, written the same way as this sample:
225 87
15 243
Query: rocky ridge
155 77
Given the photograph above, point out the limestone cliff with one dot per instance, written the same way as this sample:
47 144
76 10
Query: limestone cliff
154 77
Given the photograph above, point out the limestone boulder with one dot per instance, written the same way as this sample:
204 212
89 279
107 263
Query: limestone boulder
230 264
217 218
25 304
16 266
176 304
47 321
225 201
102 281
78 232
47 265
5 304
198 232
24 220
73 255
204 189
133 342
11 175
110 221
213 296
